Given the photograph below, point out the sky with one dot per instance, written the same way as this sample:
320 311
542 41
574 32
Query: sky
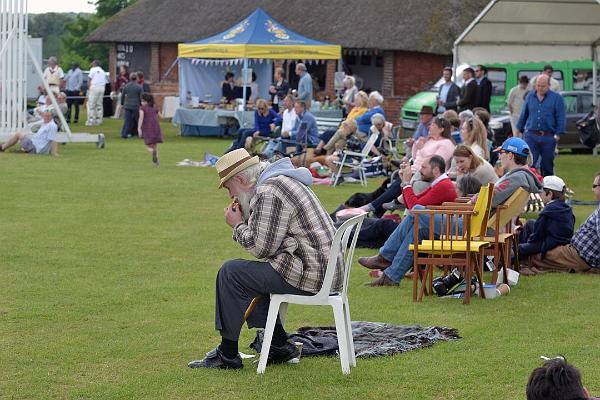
43 6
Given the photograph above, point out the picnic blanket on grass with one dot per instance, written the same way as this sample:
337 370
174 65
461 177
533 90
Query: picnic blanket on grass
371 339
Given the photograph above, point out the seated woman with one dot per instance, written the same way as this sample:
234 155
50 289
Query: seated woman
228 88
468 164
331 136
265 121
452 117
474 135
383 128
438 142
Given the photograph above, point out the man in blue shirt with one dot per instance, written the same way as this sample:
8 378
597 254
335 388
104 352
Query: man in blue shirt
74 80
305 85
542 119
448 94
305 128
374 103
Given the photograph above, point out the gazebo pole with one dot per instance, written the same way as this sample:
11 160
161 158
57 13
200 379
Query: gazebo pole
244 91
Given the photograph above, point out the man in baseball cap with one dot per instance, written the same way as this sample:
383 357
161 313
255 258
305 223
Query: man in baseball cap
278 219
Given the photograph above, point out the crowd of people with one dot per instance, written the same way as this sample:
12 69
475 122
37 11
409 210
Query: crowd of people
277 218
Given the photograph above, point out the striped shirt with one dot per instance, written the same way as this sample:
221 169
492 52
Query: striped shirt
587 240
289 228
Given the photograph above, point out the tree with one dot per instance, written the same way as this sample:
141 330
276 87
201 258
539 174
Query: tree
107 8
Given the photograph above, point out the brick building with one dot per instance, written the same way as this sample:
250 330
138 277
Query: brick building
396 47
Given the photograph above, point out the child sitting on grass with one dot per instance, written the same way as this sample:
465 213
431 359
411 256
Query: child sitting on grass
555 225
556 380
148 126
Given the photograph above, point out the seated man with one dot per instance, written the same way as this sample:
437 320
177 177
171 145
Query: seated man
441 189
305 129
583 253
280 221
554 227
425 119
288 120
556 380
42 142
395 258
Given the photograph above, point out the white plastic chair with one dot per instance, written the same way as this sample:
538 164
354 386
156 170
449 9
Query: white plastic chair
354 160
338 301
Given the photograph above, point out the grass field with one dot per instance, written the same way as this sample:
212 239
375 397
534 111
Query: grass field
107 290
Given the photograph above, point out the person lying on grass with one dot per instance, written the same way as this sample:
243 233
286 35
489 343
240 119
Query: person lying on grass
278 219
42 142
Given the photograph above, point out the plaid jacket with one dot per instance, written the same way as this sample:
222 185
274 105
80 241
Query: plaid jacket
587 240
289 228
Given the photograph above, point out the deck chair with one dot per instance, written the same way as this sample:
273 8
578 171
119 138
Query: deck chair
338 301
299 146
354 160
502 224
454 247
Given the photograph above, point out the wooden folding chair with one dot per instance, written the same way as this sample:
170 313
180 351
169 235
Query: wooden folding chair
454 247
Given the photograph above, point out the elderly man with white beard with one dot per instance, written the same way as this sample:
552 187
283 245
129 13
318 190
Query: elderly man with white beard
278 219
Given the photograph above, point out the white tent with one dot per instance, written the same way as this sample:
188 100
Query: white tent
510 31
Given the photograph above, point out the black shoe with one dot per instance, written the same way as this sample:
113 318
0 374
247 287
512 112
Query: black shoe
216 359
154 157
279 355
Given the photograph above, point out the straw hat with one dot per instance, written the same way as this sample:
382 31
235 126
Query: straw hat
233 162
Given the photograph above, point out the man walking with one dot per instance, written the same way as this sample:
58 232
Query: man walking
130 101
542 119
74 80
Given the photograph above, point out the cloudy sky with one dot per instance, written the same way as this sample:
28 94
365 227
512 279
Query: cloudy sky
42 6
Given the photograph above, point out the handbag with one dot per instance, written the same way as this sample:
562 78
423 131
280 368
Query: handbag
589 130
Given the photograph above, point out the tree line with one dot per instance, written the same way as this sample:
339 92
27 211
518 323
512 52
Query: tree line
64 34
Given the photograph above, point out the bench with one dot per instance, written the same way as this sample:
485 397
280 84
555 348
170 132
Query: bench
325 123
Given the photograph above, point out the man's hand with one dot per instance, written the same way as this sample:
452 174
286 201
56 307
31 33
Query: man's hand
273 126
518 133
233 216
255 134
285 134
407 174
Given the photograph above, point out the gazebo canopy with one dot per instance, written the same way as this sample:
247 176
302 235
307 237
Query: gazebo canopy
510 31
259 36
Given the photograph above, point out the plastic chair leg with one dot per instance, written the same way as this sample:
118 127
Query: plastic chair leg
351 354
340 328
268 336
283 307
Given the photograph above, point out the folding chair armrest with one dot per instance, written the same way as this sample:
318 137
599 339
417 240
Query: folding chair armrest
458 204
353 153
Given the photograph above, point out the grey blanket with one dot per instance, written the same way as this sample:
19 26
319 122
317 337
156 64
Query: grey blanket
371 339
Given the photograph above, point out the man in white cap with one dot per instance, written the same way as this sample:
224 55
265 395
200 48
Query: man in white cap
554 227
279 220
582 254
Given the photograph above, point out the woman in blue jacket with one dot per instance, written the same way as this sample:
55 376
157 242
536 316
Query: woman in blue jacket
555 225
265 120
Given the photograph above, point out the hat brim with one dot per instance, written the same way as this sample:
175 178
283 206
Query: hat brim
246 164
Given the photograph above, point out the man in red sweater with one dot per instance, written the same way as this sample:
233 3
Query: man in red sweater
441 189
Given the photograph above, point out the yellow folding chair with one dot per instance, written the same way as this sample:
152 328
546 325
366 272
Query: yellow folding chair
455 246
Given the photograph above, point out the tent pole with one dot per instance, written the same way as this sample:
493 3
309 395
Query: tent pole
594 74
244 92
454 60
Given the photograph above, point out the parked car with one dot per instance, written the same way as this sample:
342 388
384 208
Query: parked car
577 103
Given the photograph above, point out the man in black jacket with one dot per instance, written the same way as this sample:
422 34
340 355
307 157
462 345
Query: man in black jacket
484 87
468 93
448 94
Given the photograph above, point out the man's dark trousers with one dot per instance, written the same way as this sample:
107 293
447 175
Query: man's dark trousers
238 282
130 124
72 100
542 147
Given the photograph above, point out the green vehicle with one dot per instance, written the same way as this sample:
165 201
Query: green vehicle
571 75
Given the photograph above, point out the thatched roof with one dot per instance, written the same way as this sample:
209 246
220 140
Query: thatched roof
428 26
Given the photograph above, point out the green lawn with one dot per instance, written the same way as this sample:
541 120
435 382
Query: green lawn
108 267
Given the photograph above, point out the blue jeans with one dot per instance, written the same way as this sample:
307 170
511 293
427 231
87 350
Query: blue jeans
130 123
396 249
542 147
392 192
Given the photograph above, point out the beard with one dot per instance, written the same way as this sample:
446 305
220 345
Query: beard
244 199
